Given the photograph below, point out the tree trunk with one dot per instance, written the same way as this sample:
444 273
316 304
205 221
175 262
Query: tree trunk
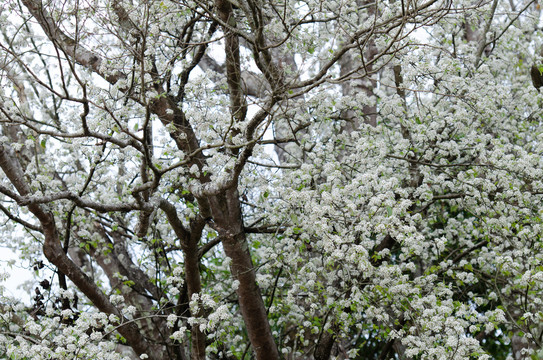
227 216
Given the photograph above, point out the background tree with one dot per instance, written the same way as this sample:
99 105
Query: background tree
400 216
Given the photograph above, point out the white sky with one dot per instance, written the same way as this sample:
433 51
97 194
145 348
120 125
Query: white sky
16 276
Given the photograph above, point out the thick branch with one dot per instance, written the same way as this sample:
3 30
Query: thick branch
66 43
55 254
238 106
482 39
68 195
252 83
228 223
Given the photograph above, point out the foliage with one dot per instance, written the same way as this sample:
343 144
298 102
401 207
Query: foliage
273 179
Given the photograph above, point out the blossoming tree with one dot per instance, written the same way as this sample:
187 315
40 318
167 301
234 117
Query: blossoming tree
237 179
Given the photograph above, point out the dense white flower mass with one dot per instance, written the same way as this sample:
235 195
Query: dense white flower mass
273 179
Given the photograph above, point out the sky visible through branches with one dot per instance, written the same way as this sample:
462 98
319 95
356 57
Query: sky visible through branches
243 179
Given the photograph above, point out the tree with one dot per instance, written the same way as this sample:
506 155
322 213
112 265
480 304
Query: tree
273 179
